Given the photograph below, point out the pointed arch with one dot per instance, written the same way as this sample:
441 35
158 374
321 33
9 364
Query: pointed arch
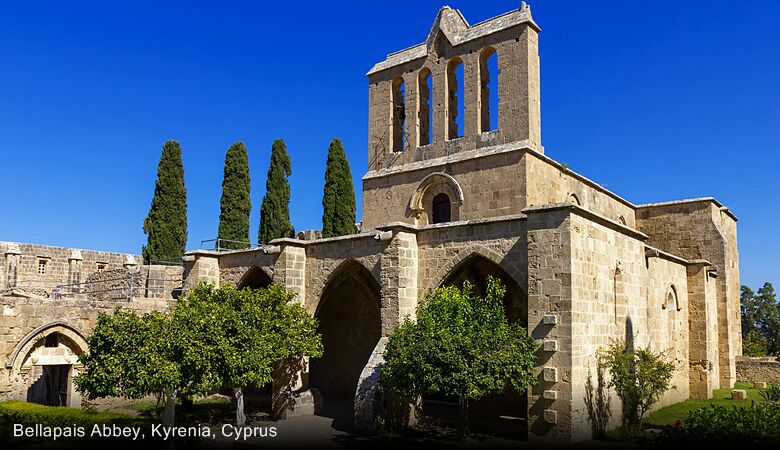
330 274
256 277
26 344
349 316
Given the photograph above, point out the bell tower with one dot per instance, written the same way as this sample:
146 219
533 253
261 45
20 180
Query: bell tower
429 119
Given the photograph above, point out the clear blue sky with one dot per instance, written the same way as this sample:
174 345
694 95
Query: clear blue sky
655 100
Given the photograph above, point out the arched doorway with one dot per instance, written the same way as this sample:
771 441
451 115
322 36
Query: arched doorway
349 320
505 413
46 360
258 398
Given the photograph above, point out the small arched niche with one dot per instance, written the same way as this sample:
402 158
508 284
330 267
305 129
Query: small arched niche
428 204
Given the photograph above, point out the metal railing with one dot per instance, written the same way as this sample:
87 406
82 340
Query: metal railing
165 262
218 244
121 292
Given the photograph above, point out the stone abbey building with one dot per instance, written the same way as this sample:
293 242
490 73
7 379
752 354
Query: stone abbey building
444 203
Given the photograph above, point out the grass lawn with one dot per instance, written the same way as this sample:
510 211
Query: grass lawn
721 397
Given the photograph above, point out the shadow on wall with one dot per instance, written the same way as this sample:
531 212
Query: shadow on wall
597 401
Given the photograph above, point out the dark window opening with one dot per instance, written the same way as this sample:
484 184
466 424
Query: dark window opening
426 108
51 340
399 115
455 105
441 208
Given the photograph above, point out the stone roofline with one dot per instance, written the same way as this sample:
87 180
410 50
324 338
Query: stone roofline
6 246
386 231
720 205
460 32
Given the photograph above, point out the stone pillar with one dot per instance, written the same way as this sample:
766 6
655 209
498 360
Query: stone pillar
399 278
290 393
411 104
200 265
11 265
550 321
703 331
471 89
75 263
291 269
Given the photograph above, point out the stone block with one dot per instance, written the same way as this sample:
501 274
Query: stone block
760 384
550 394
550 416
738 394
550 319
550 345
550 374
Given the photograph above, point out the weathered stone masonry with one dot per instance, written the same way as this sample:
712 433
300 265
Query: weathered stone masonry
582 265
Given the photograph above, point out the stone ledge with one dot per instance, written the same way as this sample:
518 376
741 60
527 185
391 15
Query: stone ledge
720 205
588 214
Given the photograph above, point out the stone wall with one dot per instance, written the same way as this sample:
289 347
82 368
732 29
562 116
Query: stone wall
548 182
515 41
386 196
758 369
589 284
703 229
25 322
20 265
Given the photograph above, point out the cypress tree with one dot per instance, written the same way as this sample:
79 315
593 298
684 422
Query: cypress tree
275 210
166 224
338 199
235 205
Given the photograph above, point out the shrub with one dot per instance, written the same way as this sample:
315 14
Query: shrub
760 423
639 376
31 414
771 393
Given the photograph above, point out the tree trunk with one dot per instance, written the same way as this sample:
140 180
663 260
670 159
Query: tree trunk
169 416
463 410
240 417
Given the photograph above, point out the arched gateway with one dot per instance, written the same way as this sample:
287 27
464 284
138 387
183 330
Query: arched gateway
349 320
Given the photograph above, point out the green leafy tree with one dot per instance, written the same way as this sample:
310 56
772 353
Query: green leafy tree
275 209
338 199
235 205
639 377
760 313
134 356
461 345
166 224
252 331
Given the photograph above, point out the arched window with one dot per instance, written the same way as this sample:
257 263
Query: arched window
621 220
454 100
488 90
425 108
574 200
441 208
399 115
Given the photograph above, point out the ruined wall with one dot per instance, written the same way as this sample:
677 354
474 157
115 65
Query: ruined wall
703 229
20 265
73 318
758 369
